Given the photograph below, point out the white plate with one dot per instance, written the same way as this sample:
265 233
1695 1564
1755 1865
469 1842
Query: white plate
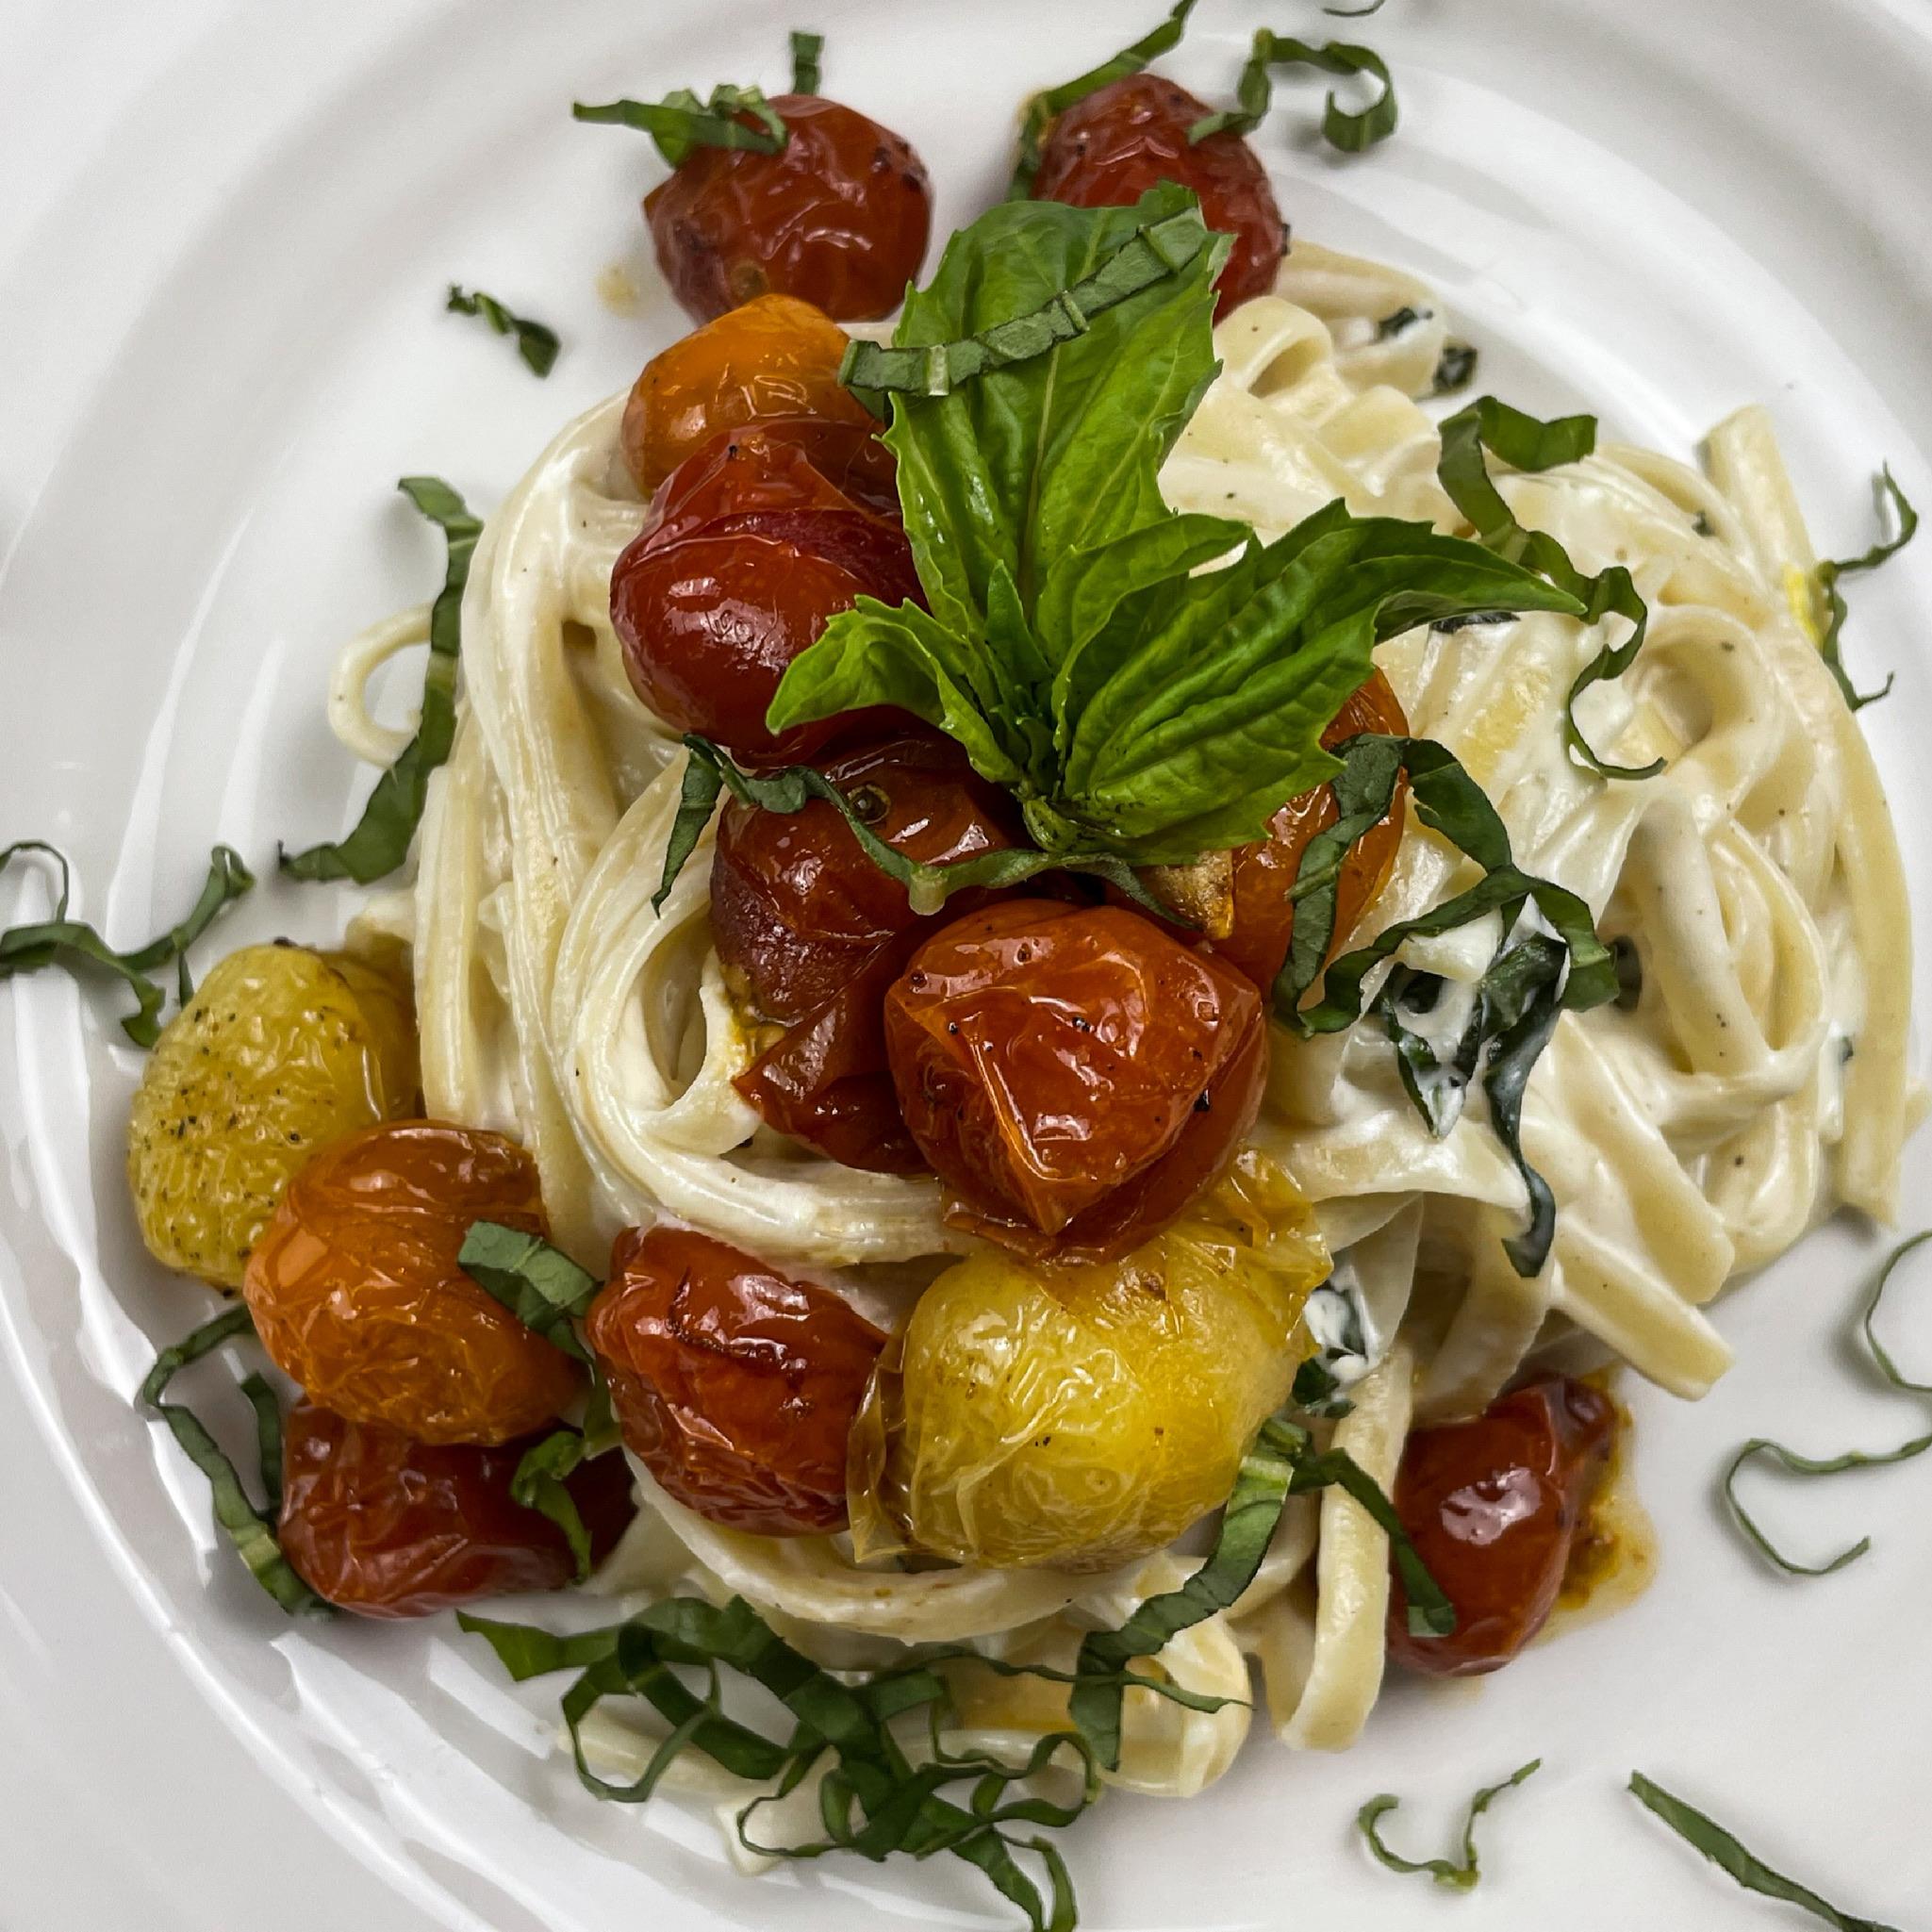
223 240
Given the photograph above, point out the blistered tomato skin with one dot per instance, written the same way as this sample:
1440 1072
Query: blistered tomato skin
1264 873
1109 149
752 546
839 217
388 1528
774 356
735 1385
356 1294
1491 1505
1074 1075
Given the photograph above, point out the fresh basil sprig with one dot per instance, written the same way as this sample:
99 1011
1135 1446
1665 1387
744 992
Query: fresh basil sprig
1852 1458
1043 107
1724 1851
806 50
61 940
1462 1877
1349 132
380 839
681 122
535 343
1832 569
249 1529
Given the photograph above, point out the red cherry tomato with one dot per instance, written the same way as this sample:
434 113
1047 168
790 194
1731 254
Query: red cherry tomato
1108 149
840 217
394 1529
735 1385
1074 1076
754 545
1492 1505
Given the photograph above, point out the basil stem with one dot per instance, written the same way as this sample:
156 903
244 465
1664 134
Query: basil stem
63 941
1852 1458
1462 1877
1724 1852
536 345
250 1531
1528 444
1349 132
681 122
1154 252
1043 107
380 839
1832 569
806 48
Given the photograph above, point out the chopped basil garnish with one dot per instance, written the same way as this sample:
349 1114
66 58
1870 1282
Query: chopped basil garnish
536 345
1724 1852
1832 569
1349 132
1455 368
1043 107
1852 1458
380 841
682 122
540 1484
1355 13
249 1529
1455 1877
806 49
1404 318
64 941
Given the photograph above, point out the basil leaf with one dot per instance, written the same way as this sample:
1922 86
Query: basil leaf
536 344
806 48
380 839
61 940
1349 132
540 1484
681 122
250 1531
1355 13
1832 569
1852 1458
1724 1852
540 1284
1043 107
1462 1877
526 1651
1530 445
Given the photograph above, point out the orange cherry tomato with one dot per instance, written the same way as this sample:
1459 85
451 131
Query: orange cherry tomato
1263 920
735 1385
356 1294
1076 1076
1492 1505
774 356
1123 138
388 1528
838 216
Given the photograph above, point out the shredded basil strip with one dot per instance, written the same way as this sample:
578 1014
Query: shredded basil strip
1462 1877
1155 251
1349 132
1885 485
1852 1458
806 50
540 1284
1528 444
1043 107
1355 13
63 941
540 1484
1724 1851
249 1529
535 343
681 122
380 839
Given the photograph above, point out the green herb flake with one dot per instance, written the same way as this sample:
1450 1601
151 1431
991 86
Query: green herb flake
1831 569
1349 132
1462 1877
1724 1852
380 839
540 1284
806 51
536 345
734 117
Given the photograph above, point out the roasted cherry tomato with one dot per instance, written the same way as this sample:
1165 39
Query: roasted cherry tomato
1491 1505
838 216
774 356
394 1529
356 1294
1074 1076
1109 149
1263 920
735 1385
754 545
